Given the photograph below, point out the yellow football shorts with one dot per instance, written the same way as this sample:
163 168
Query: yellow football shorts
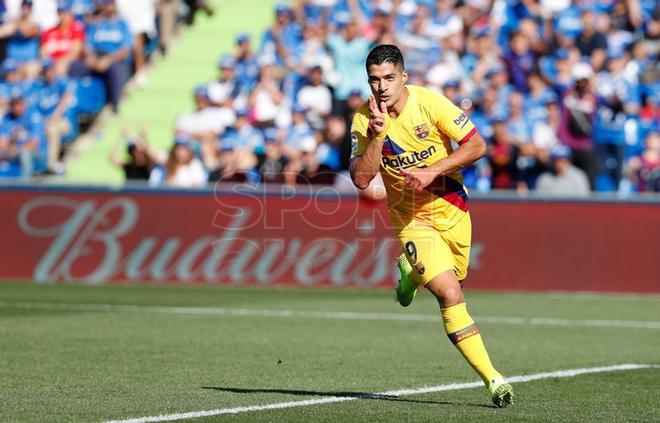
431 251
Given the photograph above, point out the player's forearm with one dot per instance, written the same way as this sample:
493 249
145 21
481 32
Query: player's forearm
466 154
364 168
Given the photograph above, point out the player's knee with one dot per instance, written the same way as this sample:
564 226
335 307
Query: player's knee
446 289
451 296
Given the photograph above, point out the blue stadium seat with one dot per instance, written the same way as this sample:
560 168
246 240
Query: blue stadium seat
604 183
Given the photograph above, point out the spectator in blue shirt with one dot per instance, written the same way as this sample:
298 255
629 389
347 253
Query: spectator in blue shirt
54 100
238 149
283 36
498 79
83 9
13 80
539 95
300 136
242 135
567 26
23 46
22 136
246 68
519 130
225 89
618 101
349 50
521 61
108 45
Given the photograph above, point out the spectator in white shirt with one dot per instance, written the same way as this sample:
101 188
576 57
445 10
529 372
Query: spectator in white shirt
223 90
182 168
267 98
566 180
316 98
141 19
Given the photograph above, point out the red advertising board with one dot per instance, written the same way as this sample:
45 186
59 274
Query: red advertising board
313 239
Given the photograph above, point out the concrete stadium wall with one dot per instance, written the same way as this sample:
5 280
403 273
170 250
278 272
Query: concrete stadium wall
239 235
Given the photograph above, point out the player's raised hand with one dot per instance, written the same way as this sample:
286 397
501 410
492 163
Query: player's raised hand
379 116
419 178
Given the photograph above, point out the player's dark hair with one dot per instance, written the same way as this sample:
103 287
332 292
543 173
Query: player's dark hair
385 53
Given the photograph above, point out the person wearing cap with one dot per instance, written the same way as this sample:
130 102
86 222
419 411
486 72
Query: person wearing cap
108 44
497 79
267 101
519 130
22 135
565 180
64 42
11 74
618 102
300 137
246 67
205 124
23 45
237 151
55 100
272 163
225 89
247 135
283 35
539 95
14 81
556 68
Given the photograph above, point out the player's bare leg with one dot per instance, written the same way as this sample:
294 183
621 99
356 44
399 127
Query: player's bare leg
463 333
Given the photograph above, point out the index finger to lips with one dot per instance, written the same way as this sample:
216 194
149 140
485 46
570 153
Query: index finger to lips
372 105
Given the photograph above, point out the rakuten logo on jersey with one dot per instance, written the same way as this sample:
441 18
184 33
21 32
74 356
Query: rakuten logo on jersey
406 160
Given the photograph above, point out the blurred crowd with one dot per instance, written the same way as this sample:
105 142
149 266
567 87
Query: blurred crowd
565 92
63 60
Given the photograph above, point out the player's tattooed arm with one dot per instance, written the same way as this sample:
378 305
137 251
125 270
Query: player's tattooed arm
364 168
466 154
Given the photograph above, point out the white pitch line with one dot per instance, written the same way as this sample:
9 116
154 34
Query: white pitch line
349 315
396 393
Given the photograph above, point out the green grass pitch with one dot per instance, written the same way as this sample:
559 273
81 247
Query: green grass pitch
67 355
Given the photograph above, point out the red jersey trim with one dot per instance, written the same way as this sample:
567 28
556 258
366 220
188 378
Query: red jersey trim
468 136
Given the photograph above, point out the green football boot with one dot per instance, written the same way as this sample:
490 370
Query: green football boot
500 392
405 289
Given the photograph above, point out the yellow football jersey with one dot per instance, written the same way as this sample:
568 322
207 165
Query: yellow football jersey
420 136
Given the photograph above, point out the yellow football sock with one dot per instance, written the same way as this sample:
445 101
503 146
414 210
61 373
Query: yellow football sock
463 333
